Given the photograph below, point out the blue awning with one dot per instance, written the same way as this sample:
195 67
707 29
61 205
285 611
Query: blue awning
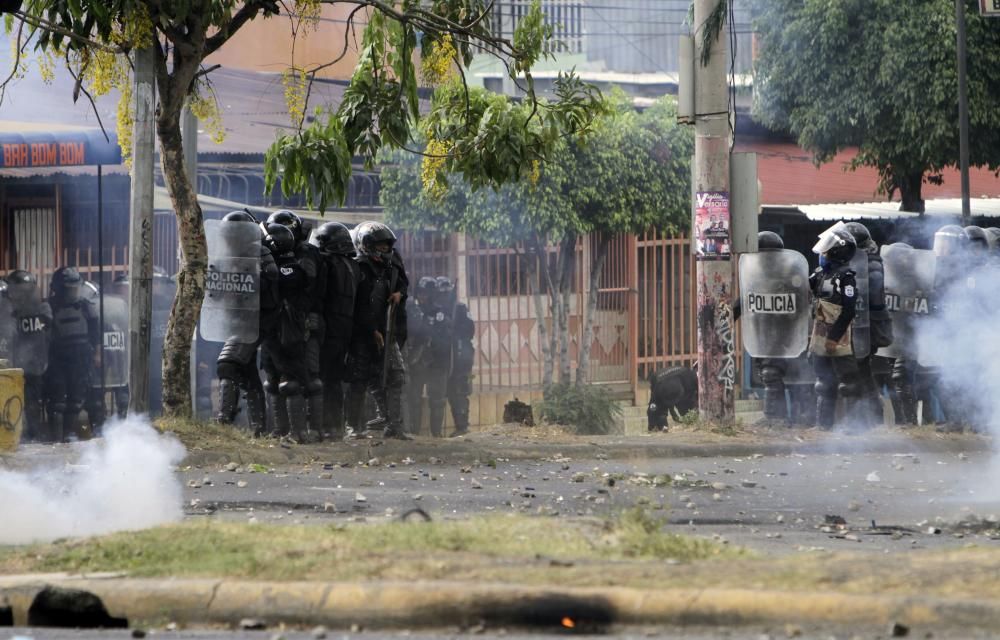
24 145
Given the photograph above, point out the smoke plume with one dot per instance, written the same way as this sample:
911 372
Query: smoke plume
124 481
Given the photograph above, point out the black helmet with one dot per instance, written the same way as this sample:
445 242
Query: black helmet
978 241
238 216
837 244
769 240
279 238
22 286
862 237
333 237
950 240
426 287
445 290
369 234
993 235
290 220
65 285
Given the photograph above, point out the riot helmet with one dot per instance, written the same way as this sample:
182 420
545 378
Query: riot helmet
979 243
371 235
836 244
22 286
993 235
950 240
426 287
119 286
769 241
862 237
66 285
279 239
239 216
290 220
333 237
445 289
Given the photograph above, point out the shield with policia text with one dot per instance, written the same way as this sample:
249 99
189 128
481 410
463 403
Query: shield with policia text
861 327
774 294
909 285
231 309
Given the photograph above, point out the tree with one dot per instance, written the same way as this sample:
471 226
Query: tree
630 172
379 108
881 76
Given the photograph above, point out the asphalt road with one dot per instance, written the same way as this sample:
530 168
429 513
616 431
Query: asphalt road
776 504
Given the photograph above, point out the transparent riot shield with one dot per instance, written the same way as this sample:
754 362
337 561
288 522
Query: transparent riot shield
6 329
861 327
774 294
231 309
909 285
116 343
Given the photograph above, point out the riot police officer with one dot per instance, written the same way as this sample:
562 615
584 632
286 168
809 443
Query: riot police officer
450 364
112 353
236 366
375 362
835 291
770 277
870 410
340 275
32 322
74 340
417 350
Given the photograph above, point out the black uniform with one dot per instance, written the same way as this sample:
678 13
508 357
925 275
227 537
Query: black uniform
450 329
835 290
32 321
291 352
74 339
340 277
236 366
417 352
874 371
375 361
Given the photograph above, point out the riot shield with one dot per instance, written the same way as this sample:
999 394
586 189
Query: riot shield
115 336
231 309
6 329
774 294
909 284
31 337
861 327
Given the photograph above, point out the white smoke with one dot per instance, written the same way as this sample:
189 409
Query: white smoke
124 481
962 340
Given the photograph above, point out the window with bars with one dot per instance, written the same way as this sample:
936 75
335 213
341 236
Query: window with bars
565 16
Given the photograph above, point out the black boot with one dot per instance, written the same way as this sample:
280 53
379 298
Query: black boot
256 412
436 418
297 417
354 407
229 401
825 409
394 415
282 425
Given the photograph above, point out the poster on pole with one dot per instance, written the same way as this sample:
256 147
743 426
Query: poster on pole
989 8
711 222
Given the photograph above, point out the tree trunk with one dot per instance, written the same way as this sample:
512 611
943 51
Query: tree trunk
909 186
597 261
191 273
567 260
541 250
532 263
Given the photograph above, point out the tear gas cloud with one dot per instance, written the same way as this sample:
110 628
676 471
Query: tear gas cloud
121 482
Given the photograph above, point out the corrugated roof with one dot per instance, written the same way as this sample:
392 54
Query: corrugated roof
942 207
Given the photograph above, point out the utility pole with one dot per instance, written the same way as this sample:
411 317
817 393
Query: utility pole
711 226
963 113
140 237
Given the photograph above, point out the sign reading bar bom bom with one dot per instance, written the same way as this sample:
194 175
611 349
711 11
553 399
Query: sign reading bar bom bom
28 149
989 8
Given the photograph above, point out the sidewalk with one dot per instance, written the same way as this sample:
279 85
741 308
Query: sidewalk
431 605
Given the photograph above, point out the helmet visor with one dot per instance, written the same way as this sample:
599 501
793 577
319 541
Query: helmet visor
828 239
947 245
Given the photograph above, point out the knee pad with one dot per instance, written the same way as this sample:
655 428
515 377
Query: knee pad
315 387
289 388
269 387
228 370
850 389
825 389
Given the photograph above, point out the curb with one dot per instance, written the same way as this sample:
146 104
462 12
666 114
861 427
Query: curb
430 605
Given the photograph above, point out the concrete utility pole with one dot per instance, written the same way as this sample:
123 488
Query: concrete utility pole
963 113
712 222
140 240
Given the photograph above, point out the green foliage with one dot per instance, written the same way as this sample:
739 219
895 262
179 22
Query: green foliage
880 75
629 172
590 410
